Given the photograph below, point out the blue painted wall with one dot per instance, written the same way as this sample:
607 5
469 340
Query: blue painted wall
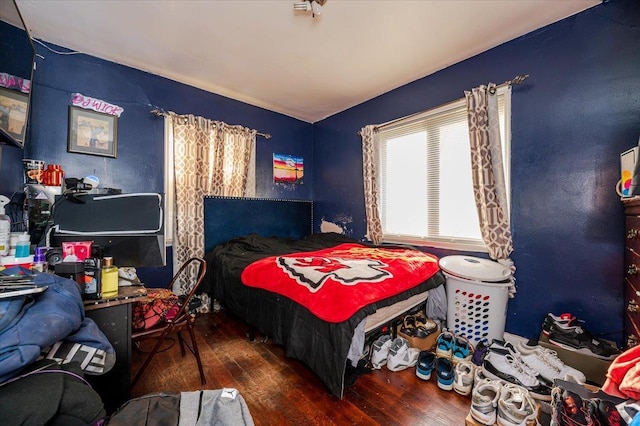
570 120
140 161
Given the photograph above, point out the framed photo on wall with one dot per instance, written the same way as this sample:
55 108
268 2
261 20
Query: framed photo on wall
93 133
13 113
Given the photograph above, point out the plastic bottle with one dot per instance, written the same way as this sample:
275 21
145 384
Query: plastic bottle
5 228
40 260
109 278
23 248
13 242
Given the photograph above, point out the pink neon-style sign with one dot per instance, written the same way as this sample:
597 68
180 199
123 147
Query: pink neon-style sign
97 105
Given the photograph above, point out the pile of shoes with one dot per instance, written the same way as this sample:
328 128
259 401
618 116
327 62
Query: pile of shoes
451 362
567 332
513 381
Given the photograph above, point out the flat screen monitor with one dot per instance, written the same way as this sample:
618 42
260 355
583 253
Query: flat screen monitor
127 227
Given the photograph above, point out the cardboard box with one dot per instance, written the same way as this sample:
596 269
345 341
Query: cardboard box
594 368
426 344
470 421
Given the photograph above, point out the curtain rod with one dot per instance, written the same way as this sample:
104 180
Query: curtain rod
159 112
518 79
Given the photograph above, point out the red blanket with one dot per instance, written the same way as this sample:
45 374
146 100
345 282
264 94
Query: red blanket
335 283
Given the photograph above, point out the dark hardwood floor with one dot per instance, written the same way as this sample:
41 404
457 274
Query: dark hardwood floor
282 391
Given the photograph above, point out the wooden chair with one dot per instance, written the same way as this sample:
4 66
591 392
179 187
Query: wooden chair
182 320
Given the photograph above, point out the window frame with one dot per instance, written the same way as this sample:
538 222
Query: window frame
449 243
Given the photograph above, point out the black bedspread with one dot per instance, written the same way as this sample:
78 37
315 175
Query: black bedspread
321 345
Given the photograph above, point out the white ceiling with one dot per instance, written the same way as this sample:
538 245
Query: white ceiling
264 53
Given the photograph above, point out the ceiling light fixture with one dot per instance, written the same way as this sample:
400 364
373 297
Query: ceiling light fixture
313 6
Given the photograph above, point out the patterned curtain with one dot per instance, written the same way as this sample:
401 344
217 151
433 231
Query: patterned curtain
210 158
370 156
489 187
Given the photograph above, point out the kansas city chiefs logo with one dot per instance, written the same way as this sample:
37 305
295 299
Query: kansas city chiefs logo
313 272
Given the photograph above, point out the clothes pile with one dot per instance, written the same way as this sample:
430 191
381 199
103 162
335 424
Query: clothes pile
49 333
623 376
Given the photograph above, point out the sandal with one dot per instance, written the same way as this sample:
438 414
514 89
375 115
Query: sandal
408 325
424 326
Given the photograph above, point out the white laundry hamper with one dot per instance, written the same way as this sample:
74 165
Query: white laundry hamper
477 296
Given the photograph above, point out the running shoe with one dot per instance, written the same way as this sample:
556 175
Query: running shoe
608 413
445 374
380 351
401 356
478 376
461 351
516 407
510 369
464 375
564 322
479 353
484 401
444 344
546 362
426 363
569 408
580 340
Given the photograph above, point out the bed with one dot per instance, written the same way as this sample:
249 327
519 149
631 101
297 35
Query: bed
240 259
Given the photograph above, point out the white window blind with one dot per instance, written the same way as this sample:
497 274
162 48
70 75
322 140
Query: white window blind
426 193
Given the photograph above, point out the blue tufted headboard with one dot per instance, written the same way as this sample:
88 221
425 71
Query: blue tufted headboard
230 217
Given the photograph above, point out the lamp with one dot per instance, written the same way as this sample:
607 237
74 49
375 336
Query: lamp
313 6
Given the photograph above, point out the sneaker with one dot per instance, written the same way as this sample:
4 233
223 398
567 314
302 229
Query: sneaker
478 376
479 353
628 410
546 362
461 351
511 370
608 413
502 348
569 408
564 322
445 374
484 401
464 375
380 351
580 340
401 356
426 364
444 344
515 406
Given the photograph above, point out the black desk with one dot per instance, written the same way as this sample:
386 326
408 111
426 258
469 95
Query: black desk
113 317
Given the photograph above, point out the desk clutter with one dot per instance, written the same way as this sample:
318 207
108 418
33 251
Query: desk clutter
96 275
81 261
